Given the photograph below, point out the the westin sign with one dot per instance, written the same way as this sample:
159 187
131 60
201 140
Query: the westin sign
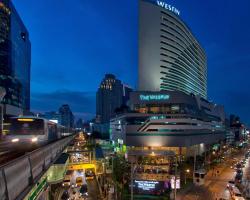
168 7
153 97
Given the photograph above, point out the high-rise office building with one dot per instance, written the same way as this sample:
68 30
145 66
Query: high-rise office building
53 116
111 97
15 59
79 123
108 97
67 117
170 57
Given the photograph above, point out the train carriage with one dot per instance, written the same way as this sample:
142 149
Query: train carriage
35 131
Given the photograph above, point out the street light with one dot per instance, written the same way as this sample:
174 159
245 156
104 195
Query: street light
186 172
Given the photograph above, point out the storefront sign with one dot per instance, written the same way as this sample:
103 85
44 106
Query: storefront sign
154 97
146 185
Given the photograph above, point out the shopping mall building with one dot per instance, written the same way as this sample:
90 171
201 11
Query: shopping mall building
169 120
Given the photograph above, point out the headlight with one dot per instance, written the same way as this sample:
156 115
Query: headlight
34 140
15 140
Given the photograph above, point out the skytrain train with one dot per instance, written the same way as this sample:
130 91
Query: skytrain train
34 131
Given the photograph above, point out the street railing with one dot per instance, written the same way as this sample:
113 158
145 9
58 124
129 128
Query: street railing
18 176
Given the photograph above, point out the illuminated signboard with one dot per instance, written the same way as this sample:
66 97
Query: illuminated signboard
178 185
146 185
154 97
168 7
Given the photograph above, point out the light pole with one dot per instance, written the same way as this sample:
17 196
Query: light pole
186 172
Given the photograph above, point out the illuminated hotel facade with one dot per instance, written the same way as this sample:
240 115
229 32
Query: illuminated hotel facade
169 110
170 57
169 118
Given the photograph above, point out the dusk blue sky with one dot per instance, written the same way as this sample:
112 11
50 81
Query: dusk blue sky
74 43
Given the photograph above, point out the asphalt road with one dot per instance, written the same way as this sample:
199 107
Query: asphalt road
215 186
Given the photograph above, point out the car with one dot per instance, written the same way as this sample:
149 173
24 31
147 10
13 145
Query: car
83 190
238 177
239 165
239 171
66 182
79 181
243 162
65 195
90 175
230 184
233 166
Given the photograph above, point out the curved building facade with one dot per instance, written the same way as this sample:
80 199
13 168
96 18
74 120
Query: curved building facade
170 57
168 119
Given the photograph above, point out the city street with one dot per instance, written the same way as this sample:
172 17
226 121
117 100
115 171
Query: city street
215 186
78 177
